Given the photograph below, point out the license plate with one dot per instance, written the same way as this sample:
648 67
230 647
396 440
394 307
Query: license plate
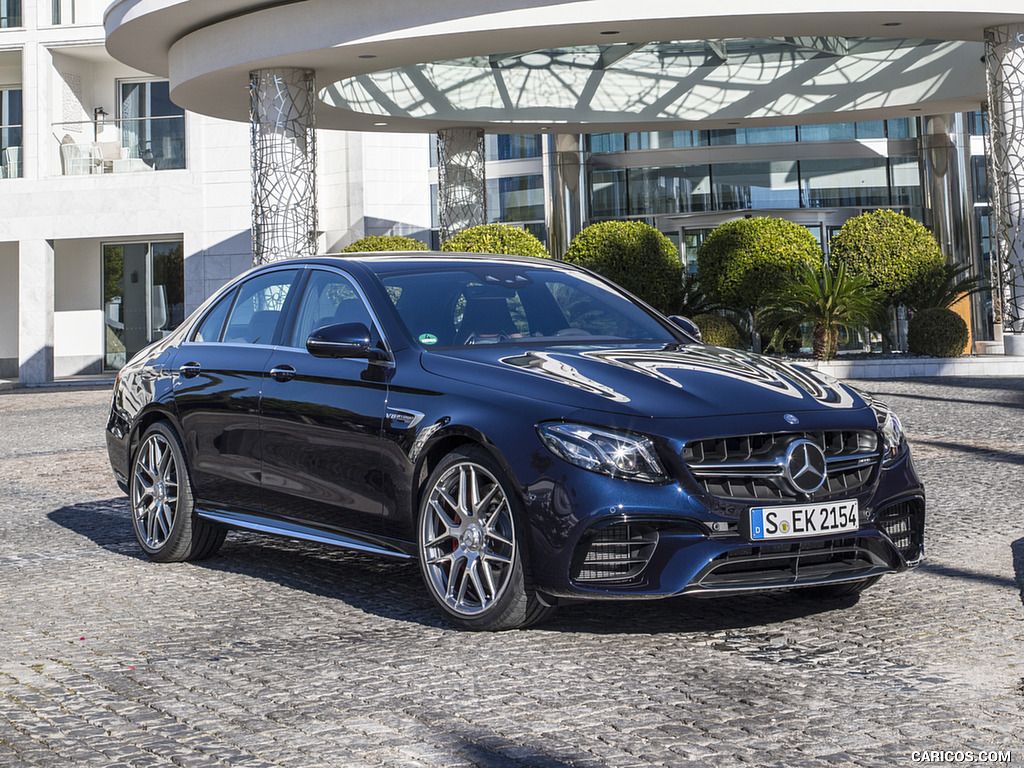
804 520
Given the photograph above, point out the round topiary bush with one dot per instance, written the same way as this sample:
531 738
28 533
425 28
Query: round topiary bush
385 243
716 330
742 262
496 238
634 255
897 254
937 332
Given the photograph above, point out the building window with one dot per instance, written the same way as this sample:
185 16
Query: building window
685 189
62 12
515 198
666 139
844 183
608 198
143 296
905 182
737 186
10 133
152 126
505 146
10 13
607 142
782 134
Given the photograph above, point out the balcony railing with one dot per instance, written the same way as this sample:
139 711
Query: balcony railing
128 145
10 151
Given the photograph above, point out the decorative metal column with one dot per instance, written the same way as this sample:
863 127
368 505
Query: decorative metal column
565 207
1004 58
461 184
283 118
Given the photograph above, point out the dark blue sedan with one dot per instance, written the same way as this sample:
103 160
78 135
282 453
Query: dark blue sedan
523 428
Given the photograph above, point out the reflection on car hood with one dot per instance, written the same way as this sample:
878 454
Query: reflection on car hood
696 380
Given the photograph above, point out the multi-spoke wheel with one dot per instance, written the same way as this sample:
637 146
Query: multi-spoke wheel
470 551
161 495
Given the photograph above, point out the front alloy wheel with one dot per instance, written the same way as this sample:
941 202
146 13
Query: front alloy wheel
469 547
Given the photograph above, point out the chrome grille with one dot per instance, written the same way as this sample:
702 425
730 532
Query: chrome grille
749 467
617 552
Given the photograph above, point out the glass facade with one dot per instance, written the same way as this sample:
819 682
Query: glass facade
829 183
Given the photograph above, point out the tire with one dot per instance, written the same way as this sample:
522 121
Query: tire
163 512
470 544
842 591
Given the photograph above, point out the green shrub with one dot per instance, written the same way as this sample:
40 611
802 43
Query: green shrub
634 255
743 261
496 238
897 254
718 331
938 332
385 243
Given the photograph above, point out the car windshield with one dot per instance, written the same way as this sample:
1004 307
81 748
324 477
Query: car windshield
514 304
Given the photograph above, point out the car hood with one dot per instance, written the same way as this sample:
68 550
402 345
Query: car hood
691 381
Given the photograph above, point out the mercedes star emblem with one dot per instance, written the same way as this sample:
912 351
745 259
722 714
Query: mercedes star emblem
804 466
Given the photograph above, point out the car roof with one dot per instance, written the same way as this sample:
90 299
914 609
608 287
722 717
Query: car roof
391 260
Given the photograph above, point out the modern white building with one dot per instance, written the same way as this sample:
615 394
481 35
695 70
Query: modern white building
120 212
122 209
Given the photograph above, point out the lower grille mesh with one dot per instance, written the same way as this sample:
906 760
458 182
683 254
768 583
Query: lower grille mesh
619 551
903 522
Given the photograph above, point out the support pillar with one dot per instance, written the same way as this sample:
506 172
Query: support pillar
35 311
1004 57
949 200
283 119
565 205
461 182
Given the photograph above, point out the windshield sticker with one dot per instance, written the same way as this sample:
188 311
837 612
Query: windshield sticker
428 338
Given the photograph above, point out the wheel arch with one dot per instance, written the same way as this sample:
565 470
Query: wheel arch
144 421
439 446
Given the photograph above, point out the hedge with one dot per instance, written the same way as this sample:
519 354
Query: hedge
897 254
496 238
634 255
744 261
716 330
385 243
938 332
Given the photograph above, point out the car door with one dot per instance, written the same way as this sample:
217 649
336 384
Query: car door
321 418
217 388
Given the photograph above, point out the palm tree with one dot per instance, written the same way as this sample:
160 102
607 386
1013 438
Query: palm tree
827 297
945 287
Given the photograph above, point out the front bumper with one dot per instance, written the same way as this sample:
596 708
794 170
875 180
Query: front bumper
663 541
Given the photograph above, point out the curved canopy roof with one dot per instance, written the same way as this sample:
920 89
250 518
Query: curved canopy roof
569 65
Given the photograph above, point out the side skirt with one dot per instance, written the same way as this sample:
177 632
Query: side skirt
297 531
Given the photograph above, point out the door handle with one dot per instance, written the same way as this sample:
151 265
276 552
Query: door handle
190 370
283 372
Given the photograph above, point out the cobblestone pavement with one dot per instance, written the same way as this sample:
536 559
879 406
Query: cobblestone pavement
278 653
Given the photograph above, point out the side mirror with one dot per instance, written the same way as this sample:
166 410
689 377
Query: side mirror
342 340
688 326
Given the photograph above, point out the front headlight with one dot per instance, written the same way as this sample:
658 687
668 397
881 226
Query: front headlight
894 441
610 452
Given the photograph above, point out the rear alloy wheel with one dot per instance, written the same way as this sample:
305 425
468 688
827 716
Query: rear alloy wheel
163 513
470 549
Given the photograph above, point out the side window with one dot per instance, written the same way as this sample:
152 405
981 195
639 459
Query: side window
329 299
257 309
212 325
